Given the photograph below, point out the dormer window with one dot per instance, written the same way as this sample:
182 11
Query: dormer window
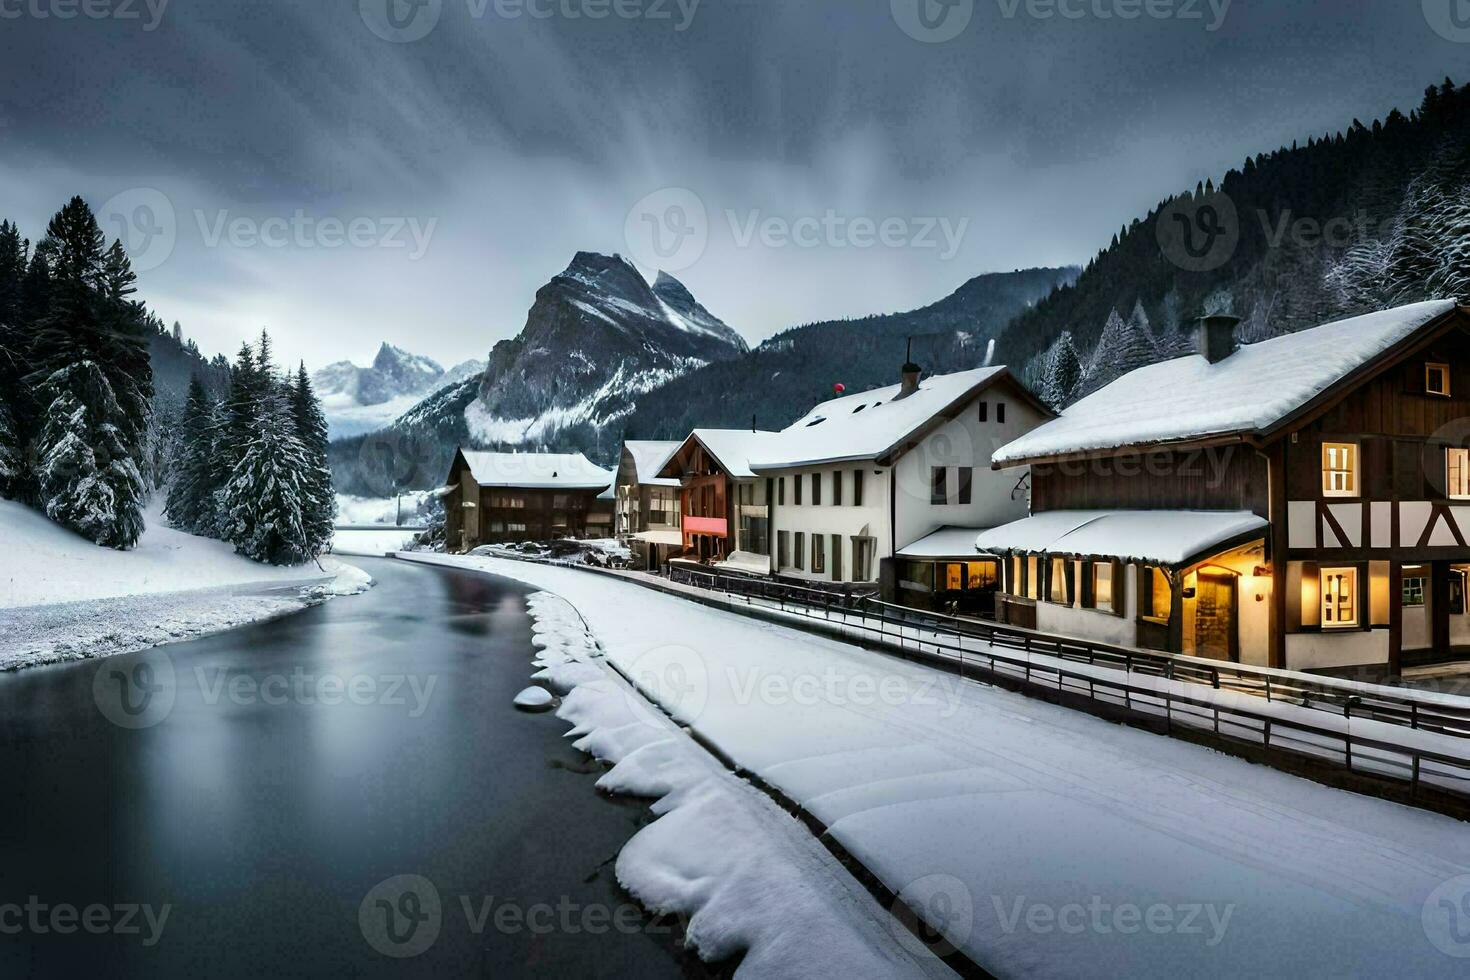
1437 379
1339 469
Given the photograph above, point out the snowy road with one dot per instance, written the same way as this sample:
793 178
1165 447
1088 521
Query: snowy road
1048 842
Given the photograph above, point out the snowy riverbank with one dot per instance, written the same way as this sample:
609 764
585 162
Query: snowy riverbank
1044 841
64 598
745 876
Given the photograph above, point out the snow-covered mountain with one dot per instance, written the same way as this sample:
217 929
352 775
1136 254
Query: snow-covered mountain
362 399
597 337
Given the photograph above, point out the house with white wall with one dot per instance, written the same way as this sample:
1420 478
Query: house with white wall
1303 502
890 487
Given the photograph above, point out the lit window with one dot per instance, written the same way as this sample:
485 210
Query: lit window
1102 585
1340 469
1413 592
1059 592
1457 471
1339 597
1437 379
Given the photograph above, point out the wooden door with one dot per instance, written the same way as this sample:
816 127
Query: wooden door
1215 635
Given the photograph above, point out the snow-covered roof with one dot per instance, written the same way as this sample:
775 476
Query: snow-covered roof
947 542
649 458
537 471
1250 391
660 537
869 424
732 447
1163 537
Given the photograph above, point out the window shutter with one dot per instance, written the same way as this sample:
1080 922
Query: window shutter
1089 597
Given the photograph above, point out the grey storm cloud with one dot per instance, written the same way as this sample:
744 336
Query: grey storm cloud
350 171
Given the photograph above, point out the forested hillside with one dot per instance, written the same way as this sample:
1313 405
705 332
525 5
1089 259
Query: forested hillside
1372 216
777 382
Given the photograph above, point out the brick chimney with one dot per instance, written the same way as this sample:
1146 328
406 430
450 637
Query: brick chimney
1215 337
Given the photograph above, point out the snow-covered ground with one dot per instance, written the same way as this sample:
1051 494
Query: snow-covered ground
370 544
1043 841
745 875
382 510
63 598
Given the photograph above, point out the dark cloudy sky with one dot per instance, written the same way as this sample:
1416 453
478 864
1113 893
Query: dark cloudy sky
245 143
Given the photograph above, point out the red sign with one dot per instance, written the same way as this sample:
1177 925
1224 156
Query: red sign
706 525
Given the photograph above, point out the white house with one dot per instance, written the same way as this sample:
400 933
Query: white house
870 487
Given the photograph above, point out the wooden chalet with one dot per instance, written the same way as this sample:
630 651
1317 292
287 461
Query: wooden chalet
1302 502
724 505
648 505
507 498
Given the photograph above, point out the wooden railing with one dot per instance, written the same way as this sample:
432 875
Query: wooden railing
1286 711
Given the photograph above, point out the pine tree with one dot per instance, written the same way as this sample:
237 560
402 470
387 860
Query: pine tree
92 376
87 479
192 504
13 358
1121 348
319 501
1062 372
263 498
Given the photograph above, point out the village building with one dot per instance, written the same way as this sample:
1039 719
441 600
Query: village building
506 498
648 505
724 505
889 487
1303 502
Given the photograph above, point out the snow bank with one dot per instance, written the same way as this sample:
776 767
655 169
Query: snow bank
370 544
744 875
65 598
1034 837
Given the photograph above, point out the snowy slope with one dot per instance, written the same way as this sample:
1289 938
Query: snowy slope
1000 812
71 598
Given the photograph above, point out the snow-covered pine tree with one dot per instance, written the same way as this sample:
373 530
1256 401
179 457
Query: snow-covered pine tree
241 408
263 497
1061 371
1139 324
192 504
319 498
1121 348
88 480
13 365
90 369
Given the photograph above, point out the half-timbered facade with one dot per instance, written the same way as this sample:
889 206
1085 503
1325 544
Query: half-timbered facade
1302 502
504 498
